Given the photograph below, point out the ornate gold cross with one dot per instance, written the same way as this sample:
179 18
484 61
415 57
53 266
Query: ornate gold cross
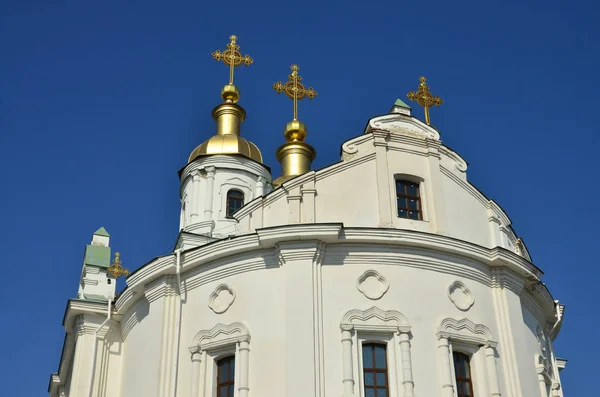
294 89
115 269
425 98
232 57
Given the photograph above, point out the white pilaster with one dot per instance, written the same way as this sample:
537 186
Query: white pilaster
492 371
348 373
407 375
244 352
196 360
195 199
210 193
445 367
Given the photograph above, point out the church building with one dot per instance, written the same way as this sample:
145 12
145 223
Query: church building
414 284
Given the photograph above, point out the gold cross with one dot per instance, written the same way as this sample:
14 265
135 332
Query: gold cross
425 98
294 89
115 269
232 57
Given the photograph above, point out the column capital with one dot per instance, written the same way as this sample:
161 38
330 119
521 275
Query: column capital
195 352
210 171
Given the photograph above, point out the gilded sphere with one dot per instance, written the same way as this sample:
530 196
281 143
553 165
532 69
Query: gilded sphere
230 93
295 130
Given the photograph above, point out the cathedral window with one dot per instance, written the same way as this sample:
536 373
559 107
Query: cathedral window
225 376
462 375
235 201
375 370
408 199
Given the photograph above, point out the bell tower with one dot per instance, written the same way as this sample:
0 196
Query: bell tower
224 172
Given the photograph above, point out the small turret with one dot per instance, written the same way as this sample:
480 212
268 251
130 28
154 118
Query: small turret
95 282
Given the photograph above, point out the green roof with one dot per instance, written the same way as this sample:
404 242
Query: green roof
401 104
97 255
101 232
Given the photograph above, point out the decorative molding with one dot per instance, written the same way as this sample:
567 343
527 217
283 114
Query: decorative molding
372 284
459 163
221 299
375 319
465 330
460 295
400 124
220 335
254 251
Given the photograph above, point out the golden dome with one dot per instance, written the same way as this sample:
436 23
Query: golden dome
227 144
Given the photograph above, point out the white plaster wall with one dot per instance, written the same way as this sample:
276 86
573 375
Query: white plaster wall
531 347
141 350
354 193
466 216
277 297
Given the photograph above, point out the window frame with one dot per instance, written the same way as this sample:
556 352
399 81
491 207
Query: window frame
375 370
227 208
407 181
230 382
458 378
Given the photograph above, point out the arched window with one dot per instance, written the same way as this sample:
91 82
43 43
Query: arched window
225 376
408 200
375 370
235 201
462 374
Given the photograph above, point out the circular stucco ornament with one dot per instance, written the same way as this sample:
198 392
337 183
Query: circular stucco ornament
372 284
221 298
461 296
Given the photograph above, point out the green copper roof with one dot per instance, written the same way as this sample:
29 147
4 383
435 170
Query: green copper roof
401 104
102 231
97 255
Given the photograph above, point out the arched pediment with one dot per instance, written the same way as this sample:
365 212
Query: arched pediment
221 334
467 331
375 319
401 124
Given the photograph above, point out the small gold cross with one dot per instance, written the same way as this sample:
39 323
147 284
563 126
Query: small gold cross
232 57
294 89
115 269
425 98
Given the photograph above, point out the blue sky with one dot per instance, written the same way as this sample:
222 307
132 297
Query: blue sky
101 102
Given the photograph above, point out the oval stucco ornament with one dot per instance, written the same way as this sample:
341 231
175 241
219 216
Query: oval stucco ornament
461 296
372 284
221 298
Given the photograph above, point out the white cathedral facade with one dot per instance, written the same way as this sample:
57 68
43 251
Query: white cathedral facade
408 283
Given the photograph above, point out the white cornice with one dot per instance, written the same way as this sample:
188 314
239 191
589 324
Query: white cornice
255 251
76 307
268 237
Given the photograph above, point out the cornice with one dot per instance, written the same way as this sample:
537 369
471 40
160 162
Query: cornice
79 307
268 237
424 250
466 186
459 163
344 165
227 161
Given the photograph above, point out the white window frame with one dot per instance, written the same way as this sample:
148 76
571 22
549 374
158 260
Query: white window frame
476 365
423 196
211 345
477 341
388 340
375 325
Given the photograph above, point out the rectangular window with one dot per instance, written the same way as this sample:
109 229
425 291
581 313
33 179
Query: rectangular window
408 199
462 374
375 370
225 376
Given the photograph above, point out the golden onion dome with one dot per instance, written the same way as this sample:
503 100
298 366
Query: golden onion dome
229 117
227 144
